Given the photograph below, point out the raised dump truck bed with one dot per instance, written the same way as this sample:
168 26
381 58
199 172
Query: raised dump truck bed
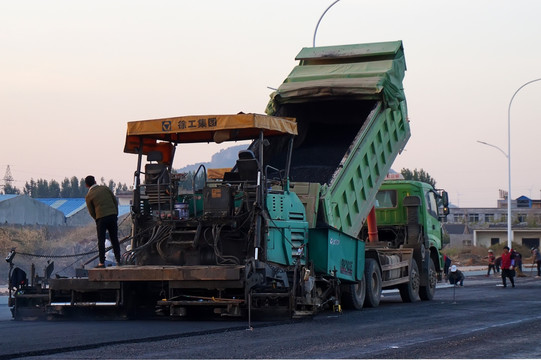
352 121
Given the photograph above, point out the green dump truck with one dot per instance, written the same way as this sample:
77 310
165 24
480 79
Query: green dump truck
284 229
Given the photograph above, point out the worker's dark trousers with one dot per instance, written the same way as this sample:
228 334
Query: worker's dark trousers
510 274
104 225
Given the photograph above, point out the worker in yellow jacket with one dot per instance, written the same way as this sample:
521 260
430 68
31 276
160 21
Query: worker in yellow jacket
103 207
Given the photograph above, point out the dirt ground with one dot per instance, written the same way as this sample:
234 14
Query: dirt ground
477 255
40 245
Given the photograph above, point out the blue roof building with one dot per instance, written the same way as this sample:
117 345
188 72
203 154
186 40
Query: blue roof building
24 210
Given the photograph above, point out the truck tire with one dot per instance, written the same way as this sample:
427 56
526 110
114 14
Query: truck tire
372 275
427 292
353 295
409 292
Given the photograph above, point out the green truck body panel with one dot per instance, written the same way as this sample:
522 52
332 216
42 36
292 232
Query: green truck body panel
334 252
352 119
350 196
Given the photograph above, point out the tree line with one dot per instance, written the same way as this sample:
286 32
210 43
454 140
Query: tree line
69 188
418 175
75 187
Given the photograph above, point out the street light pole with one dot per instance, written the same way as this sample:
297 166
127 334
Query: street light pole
509 229
321 17
508 156
509 232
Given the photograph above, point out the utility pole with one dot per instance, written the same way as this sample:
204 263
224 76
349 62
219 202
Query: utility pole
8 178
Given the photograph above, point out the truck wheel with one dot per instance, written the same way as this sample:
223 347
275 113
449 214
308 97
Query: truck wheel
353 295
409 292
427 292
372 275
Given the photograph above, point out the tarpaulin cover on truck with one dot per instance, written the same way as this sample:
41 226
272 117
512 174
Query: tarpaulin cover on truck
367 71
205 128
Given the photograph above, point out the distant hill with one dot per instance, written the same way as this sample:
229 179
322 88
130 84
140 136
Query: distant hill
225 158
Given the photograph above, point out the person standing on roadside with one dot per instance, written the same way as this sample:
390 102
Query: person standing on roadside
103 207
498 264
491 261
518 263
446 265
537 260
508 267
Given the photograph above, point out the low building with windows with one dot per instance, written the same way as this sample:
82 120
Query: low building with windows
488 226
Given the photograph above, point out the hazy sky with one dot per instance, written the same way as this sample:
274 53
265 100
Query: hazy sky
73 73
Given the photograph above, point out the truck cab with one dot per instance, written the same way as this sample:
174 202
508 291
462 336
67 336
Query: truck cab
409 215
